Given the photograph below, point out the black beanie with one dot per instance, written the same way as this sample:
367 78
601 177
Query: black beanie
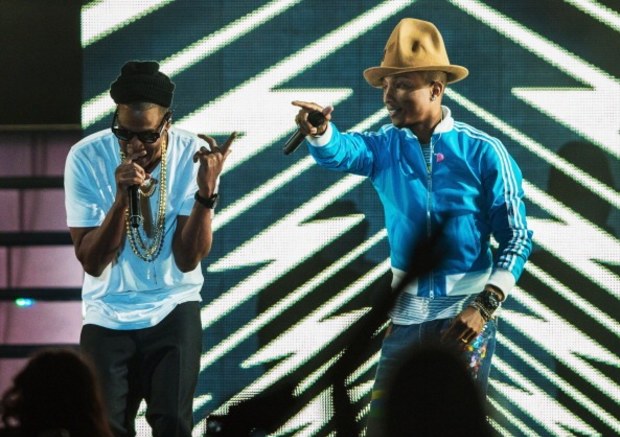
141 81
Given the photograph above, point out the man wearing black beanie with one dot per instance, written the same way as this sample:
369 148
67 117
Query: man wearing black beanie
140 200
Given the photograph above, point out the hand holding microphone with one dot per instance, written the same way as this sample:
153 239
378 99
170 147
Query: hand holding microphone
135 213
130 175
310 119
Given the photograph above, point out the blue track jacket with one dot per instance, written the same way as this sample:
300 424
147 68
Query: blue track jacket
472 188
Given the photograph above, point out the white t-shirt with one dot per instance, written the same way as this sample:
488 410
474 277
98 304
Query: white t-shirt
132 293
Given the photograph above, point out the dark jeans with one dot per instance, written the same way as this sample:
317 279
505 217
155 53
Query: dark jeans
402 338
158 364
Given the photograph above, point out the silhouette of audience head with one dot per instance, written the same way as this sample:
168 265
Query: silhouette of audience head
56 394
433 394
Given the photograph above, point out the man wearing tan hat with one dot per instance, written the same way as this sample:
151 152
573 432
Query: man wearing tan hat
433 173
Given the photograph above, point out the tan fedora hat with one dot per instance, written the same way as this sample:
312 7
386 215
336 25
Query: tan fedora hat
414 45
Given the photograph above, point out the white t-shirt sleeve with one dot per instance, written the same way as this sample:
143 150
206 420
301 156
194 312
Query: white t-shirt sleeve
83 206
187 177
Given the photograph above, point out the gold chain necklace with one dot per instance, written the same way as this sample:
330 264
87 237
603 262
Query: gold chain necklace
148 187
144 251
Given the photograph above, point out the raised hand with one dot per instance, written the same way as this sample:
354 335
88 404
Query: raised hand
129 173
302 117
211 163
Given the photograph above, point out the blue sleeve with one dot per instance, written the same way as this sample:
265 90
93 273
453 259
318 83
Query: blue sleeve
347 152
504 195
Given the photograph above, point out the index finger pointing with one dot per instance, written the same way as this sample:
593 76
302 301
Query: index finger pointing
310 106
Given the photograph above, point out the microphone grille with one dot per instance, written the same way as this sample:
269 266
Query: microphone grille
316 118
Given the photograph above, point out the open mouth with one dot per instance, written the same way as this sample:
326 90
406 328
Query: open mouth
393 111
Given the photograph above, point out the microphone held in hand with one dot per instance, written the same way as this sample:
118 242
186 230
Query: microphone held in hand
316 118
135 215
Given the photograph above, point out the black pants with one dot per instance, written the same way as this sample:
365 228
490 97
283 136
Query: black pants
158 364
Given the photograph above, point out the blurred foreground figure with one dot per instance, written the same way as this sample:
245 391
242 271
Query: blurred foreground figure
55 395
432 394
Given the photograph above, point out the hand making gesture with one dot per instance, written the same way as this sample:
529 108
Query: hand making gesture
211 163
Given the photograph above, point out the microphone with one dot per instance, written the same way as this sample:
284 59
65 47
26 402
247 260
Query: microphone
135 215
316 118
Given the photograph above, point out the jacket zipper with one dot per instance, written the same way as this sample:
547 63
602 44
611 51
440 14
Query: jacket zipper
429 186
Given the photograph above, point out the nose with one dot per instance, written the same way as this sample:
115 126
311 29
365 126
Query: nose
387 93
134 145
135 142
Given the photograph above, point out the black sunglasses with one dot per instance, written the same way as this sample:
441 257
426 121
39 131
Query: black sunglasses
148 137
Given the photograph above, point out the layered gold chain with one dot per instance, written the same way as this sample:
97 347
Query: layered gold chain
148 188
143 250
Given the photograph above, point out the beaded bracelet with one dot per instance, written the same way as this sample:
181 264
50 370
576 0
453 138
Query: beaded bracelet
483 311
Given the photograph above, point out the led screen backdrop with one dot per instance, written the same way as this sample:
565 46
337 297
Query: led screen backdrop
300 253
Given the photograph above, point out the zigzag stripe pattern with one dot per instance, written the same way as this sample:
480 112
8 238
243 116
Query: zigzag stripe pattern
300 253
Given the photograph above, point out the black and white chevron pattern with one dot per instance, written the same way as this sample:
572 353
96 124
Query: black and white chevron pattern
300 253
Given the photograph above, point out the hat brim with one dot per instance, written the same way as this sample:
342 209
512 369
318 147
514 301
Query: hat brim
374 75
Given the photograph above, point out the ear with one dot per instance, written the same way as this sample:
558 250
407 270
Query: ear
437 89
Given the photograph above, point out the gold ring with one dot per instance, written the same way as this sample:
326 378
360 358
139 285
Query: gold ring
464 340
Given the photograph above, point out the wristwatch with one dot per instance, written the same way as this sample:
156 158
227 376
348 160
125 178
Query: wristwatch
489 300
210 202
